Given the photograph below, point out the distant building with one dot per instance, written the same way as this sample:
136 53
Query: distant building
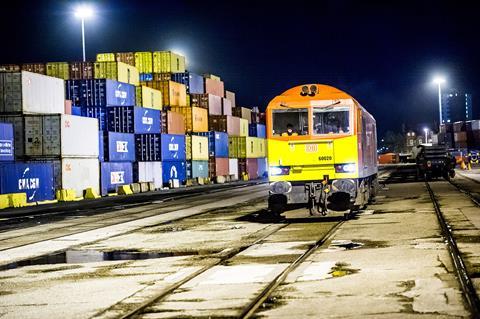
411 141
456 106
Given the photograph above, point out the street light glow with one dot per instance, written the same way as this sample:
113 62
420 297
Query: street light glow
439 80
425 129
84 12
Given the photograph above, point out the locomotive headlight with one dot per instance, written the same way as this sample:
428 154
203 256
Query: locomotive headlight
279 170
280 187
345 168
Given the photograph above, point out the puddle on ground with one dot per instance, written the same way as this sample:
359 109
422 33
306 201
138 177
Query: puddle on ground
88 256
347 244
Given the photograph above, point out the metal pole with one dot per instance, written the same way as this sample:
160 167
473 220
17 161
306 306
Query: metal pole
83 38
440 101
426 136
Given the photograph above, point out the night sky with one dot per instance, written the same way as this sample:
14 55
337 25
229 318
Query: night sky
384 53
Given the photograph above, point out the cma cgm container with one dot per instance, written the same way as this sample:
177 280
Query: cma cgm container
34 179
114 175
225 123
145 172
54 135
196 118
148 97
100 92
130 119
148 147
174 170
231 97
167 61
119 147
117 71
6 142
28 93
58 70
226 106
217 143
257 130
214 87
80 70
218 166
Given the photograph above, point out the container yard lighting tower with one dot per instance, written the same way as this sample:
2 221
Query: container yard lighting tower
83 12
439 80
426 135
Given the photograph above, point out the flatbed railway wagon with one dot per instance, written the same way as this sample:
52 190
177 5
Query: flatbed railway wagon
321 149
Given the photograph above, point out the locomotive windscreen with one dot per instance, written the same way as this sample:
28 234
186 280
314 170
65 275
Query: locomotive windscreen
331 120
297 119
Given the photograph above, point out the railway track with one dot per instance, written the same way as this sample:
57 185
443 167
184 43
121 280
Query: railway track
458 262
250 308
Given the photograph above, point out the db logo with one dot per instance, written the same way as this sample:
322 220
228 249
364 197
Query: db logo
68 167
67 124
311 148
122 147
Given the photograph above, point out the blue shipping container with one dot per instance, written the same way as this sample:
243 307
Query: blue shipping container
119 147
146 76
217 143
6 142
257 130
77 110
34 179
98 112
174 170
173 147
262 167
101 146
199 169
196 84
100 92
129 119
113 175
148 147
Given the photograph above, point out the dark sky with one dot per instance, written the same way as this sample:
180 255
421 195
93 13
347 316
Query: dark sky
384 53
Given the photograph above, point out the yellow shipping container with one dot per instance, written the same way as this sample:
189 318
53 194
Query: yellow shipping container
59 70
173 93
243 127
144 62
118 71
167 61
199 148
188 147
255 147
106 57
196 118
148 97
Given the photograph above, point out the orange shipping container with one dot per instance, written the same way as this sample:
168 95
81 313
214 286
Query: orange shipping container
196 118
173 93
214 87
389 158
175 123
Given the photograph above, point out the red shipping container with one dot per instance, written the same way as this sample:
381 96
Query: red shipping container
225 123
252 168
214 87
68 107
218 166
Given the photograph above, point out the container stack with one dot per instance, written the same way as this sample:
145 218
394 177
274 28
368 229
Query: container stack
473 134
445 136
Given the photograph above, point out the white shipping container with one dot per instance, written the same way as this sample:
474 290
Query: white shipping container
80 174
214 105
150 172
42 94
226 106
61 135
233 167
231 96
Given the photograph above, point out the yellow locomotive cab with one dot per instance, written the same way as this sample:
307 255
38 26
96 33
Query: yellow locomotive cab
321 148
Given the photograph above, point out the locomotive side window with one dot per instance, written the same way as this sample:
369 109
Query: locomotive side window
291 122
331 120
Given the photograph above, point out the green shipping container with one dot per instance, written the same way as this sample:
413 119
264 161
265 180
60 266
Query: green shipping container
58 70
167 61
237 147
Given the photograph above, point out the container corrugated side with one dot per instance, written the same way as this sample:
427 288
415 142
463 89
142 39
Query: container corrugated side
214 105
252 168
173 147
144 172
130 119
218 166
117 71
226 107
173 93
167 61
262 167
114 175
100 92
196 83
237 147
80 173
59 70
214 87
144 62
244 127
231 97
148 97
148 147
125 57
36 180
80 70
199 169
196 118
233 167
188 147
257 130
175 123
7 146
105 57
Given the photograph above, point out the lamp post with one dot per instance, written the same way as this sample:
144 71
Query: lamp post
83 12
426 135
439 80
